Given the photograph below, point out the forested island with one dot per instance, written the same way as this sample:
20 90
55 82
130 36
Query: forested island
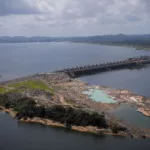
57 100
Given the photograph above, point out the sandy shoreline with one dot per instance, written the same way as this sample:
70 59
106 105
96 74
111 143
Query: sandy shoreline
51 123
9 111
86 129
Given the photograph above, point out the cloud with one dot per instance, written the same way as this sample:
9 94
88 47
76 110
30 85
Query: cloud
17 7
74 17
132 18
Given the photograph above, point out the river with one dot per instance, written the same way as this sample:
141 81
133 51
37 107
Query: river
17 60
23 59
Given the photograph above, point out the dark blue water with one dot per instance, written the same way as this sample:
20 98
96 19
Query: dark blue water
23 59
22 136
18 60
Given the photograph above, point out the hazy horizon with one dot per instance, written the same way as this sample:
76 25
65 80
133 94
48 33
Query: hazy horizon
74 36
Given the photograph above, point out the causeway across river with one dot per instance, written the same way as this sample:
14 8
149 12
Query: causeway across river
91 69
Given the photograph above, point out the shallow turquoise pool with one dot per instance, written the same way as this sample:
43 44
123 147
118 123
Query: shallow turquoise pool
99 96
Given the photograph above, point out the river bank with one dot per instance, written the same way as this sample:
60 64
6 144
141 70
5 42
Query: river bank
83 129
52 123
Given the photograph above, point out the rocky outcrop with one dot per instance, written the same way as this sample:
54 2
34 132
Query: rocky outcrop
145 111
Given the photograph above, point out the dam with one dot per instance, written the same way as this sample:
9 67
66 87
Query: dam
129 63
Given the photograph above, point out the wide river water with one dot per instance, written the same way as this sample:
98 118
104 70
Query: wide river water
17 60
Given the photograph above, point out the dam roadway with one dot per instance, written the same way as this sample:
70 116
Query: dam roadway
130 63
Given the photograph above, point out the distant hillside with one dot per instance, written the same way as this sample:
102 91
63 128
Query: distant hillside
116 39
23 39
104 39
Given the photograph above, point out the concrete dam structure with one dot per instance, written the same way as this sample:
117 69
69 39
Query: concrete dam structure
130 63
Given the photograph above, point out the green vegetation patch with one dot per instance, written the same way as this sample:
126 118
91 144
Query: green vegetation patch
31 84
2 90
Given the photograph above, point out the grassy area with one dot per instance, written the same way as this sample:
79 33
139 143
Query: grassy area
2 90
30 84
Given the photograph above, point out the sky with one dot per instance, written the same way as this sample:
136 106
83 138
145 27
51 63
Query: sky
73 17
